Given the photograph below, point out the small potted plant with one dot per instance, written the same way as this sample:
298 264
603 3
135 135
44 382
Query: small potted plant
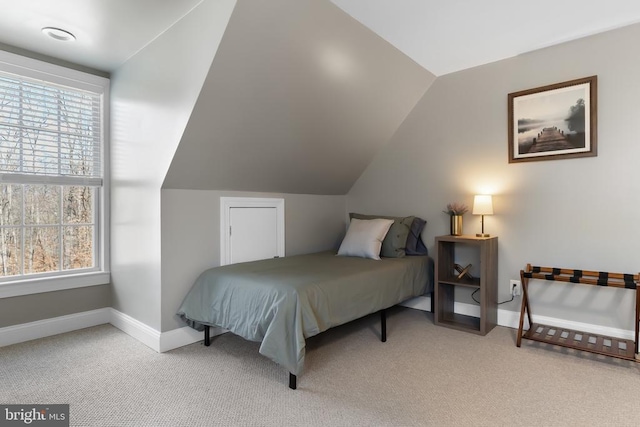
455 211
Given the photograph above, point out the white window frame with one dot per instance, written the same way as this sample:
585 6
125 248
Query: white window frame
25 285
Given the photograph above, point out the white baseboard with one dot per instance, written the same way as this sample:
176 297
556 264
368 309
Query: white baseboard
58 325
184 336
179 338
147 335
154 339
420 303
511 319
135 328
165 341
577 326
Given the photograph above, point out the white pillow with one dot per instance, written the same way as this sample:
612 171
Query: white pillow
364 238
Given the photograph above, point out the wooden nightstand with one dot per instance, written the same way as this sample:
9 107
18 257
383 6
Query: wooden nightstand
447 279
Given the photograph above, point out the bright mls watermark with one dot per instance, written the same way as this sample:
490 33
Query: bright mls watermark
34 415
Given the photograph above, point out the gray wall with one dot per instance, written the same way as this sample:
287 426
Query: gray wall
301 95
30 308
577 213
191 235
152 96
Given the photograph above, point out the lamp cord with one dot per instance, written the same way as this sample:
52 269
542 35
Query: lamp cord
478 302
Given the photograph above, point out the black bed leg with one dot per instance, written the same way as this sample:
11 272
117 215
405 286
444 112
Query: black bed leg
292 381
207 337
383 325
433 302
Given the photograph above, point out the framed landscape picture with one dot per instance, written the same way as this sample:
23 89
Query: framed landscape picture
554 122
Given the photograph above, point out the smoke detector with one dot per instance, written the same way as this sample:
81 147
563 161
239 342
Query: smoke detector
59 34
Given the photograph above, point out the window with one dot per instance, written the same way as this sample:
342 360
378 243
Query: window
52 173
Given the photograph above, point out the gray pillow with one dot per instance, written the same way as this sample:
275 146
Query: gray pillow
415 246
394 243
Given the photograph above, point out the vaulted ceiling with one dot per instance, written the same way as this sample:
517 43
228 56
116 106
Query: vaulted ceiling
303 93
299 99
108 32
445 36
440 35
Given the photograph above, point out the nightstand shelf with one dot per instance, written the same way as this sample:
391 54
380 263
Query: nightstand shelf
447 280
475 283
461 322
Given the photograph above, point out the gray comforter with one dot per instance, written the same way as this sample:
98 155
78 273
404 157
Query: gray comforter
282 301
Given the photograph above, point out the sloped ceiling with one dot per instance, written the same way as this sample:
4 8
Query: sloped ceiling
445 36
299 98
108 32
441 35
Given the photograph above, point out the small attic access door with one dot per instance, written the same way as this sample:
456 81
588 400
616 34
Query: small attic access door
251 229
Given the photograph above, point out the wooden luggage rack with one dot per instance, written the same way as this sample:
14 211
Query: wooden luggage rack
599 344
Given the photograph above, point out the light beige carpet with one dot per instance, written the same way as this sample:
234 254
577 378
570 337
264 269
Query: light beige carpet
423 375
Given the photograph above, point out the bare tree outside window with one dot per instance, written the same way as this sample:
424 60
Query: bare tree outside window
49 154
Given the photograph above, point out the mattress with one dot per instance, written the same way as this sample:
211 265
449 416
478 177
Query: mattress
282 301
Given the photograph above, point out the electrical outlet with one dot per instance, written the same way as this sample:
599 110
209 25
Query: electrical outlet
516 287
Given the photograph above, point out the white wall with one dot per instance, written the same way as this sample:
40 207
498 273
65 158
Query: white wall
152 97
577 213
191 235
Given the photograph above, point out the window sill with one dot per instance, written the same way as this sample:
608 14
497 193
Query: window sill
50 284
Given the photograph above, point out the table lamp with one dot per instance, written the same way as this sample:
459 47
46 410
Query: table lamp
482 205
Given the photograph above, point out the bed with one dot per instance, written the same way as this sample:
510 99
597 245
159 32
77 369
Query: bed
282 301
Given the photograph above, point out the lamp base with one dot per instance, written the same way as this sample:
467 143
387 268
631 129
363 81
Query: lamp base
483 235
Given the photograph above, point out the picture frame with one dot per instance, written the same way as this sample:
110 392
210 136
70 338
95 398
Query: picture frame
557 121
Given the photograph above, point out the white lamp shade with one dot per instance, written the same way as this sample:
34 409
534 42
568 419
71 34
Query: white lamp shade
482 205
